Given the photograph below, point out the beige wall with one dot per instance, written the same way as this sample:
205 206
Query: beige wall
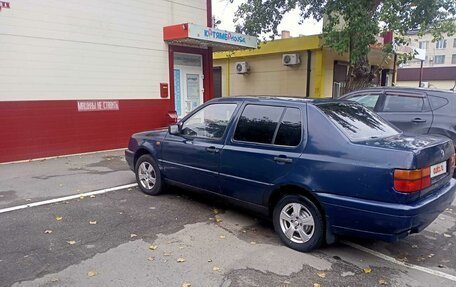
268 76
80 49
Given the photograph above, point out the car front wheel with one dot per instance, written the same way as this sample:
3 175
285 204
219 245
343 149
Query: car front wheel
148 175
299 223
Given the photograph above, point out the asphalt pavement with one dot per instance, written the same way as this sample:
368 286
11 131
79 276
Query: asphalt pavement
125 238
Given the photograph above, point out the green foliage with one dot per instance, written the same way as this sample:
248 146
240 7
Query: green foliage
352 25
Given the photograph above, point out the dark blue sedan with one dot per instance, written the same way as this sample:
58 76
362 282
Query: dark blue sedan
319 168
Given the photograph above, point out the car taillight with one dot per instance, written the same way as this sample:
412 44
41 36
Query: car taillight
412 180
453 161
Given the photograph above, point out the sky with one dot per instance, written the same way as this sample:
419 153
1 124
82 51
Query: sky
223 10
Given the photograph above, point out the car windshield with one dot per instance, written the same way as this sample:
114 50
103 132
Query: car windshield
356 121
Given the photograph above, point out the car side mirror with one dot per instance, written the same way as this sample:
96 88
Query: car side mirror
174 129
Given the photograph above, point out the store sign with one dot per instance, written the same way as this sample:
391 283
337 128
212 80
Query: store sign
221 36
93 106
4 5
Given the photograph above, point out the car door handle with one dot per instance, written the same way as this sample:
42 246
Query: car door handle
212 149
282 159
418 120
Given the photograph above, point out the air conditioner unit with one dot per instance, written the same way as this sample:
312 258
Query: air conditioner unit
291 59
242 67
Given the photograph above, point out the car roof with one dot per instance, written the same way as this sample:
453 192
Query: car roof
402 89
277 99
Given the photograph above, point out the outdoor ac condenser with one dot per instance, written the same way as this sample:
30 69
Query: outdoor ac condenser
242 67
291 59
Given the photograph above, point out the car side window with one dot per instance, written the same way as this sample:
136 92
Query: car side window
369 100
402 103
437 102
258 124
209 122
290 129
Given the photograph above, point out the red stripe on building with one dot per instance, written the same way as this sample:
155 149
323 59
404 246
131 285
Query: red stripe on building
34 129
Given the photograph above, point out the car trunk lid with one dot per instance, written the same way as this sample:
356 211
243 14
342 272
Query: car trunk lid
429 152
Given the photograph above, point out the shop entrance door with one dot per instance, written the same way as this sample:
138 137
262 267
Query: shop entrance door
188 82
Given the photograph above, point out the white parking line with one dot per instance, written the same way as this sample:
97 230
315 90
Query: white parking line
404 264
60 199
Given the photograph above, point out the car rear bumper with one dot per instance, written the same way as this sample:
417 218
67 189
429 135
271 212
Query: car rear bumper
384 221
129 157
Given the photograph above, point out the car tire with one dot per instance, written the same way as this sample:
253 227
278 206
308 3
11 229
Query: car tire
299 223
148 175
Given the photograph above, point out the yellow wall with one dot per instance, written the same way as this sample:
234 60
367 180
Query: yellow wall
268 76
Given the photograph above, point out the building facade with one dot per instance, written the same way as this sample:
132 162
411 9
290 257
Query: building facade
80 76
318 72
440 53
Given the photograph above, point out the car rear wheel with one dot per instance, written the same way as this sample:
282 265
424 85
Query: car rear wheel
299 223
148 175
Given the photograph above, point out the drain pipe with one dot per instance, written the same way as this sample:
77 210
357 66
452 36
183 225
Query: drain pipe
309 61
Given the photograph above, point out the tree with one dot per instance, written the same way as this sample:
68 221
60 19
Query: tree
351 26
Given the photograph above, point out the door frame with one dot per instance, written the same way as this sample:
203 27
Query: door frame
183 72
208 85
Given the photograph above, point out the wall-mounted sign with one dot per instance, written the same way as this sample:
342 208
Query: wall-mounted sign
221 36
191 34
93 106
4 5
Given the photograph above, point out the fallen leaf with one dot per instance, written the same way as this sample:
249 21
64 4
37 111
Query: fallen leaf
216 269
316 285
414 246
447 235
181 247
133 235
367 270
431 255
166 254
28 199
218 220
253 242
152 207
92 273
47 231
153 247
92 196
58 218
209 260
71 242
186 284
180 260
382 282
129 189
150 258
222 236
321 274
92 222
215 211
54 279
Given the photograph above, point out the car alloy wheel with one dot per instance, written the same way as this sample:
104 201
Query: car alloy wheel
147 175
297 222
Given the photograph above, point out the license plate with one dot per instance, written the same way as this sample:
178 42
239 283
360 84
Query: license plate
438 169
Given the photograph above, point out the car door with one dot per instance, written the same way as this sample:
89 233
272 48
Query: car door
368 99
260 149
193 156
410 112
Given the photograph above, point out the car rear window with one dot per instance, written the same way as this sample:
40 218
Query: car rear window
356 121
258 124
290 129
